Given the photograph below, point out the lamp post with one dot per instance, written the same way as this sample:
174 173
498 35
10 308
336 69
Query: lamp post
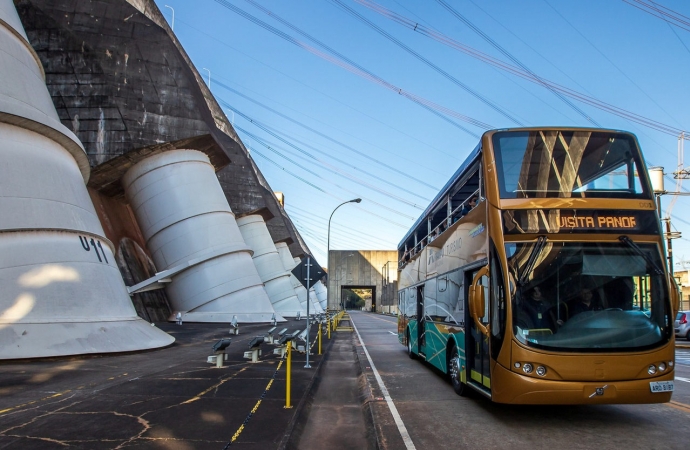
172 24
209 78
328 245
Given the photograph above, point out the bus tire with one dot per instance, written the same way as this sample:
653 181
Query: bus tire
454 373
410 353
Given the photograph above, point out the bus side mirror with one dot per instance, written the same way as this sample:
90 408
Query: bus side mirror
675 296
477 301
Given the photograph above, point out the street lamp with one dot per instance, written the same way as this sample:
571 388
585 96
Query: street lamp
328 245
172 24
209 78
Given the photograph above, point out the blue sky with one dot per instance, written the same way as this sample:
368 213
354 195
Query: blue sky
342 135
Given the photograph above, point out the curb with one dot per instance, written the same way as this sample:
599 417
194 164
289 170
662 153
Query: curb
285 442
367 395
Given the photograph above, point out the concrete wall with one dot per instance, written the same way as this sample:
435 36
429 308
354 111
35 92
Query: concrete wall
361 268
123 84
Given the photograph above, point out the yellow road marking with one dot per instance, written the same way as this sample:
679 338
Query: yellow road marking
679 406
215 386
35 401
3 411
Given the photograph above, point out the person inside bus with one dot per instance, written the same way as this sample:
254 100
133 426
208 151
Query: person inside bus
585 303
469 206
537 313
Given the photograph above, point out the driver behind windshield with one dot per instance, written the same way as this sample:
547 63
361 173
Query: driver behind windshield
586 302
537 312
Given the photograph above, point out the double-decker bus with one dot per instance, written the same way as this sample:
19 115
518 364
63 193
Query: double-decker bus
537 275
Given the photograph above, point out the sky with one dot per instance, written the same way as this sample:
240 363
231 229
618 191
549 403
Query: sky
344 99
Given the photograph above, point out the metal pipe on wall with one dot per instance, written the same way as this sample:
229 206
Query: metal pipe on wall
271 270
62 292
186 220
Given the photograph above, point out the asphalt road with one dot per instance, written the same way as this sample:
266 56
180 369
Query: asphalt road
435 417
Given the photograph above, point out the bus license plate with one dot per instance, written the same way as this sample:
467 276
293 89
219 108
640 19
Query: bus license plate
661 386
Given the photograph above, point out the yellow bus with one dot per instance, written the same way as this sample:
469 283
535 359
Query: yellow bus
538 273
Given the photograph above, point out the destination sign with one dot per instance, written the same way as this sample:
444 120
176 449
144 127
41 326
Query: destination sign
597 222
579 221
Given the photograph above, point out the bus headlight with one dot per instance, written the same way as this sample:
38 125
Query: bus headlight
670 363
527 368
662 367
651 369
517 365
541 371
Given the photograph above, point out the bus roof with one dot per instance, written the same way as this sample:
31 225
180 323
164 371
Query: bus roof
441 195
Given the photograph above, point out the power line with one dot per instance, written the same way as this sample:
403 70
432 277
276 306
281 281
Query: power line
583 98
387 219
610 62
312 218
661 12
508 55
328 166
370 158
438 69
359 169
355 70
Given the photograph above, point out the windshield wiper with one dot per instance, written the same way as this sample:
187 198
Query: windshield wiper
627 241
532 260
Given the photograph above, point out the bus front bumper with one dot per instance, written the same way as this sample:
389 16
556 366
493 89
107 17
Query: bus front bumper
510 387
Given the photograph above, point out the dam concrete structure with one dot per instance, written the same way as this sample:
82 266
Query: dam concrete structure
124 86
62 293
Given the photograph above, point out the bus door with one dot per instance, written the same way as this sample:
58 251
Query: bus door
477 339
421 322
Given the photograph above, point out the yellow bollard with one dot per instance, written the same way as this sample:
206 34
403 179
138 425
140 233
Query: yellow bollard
319 339
287 375
328 324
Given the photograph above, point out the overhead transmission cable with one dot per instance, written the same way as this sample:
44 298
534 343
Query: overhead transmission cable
417 55
329 166
661 12
386 219
323 135
510 56
369 200
363 73
625 75
359 169
309 217
269 147
583 98
308 86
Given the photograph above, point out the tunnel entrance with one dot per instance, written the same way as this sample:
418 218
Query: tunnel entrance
358 297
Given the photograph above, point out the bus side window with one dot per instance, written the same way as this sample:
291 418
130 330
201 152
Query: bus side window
447 299
411 302
431 309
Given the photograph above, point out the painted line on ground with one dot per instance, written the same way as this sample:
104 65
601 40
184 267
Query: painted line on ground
393 333
680 406
409 445
687 380
374 316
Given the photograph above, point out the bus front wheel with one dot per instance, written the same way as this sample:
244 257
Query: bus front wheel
454 372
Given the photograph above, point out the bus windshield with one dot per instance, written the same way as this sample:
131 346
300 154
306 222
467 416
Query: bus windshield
553 163
587 297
